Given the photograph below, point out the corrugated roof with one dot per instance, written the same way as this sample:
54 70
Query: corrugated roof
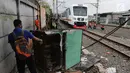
122 13
126 14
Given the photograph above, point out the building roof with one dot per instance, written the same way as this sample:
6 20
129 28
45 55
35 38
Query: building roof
126 14
110 13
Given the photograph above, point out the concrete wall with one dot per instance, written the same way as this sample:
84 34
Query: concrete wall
115 18
8 12
91 17
102 20
43 17
110 19
26 15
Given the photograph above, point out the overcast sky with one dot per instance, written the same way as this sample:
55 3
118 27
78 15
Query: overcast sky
104 6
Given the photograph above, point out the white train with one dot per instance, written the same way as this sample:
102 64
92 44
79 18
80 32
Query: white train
76 15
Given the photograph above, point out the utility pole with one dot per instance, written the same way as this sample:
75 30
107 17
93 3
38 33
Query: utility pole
56 9
58 4
53 6
97 6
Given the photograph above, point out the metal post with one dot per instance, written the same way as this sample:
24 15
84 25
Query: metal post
56 9
18 11
40 16
53 6
97 11
33 19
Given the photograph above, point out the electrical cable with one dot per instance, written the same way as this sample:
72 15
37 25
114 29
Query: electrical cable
108 34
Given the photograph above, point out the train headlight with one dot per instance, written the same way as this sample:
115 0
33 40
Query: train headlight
74 18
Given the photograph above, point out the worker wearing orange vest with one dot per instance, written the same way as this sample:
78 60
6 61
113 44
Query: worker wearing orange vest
37 23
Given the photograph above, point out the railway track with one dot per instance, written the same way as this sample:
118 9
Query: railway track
119 47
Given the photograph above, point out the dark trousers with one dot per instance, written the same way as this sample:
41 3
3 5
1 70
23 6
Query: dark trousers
36 28
30 63
89 26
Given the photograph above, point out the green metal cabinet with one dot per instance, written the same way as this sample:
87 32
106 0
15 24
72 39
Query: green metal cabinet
73 48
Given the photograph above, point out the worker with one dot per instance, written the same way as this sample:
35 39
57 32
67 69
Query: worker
102 27
90 25
20 41
94 25
37 23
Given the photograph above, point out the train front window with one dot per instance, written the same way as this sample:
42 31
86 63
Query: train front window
80 11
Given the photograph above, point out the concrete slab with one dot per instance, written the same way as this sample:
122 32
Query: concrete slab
89 61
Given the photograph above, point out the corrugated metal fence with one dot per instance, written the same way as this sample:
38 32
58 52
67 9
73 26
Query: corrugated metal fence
26 10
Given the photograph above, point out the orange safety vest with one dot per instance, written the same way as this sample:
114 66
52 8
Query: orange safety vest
37 23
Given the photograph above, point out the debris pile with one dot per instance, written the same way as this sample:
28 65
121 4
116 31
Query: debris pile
90 63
